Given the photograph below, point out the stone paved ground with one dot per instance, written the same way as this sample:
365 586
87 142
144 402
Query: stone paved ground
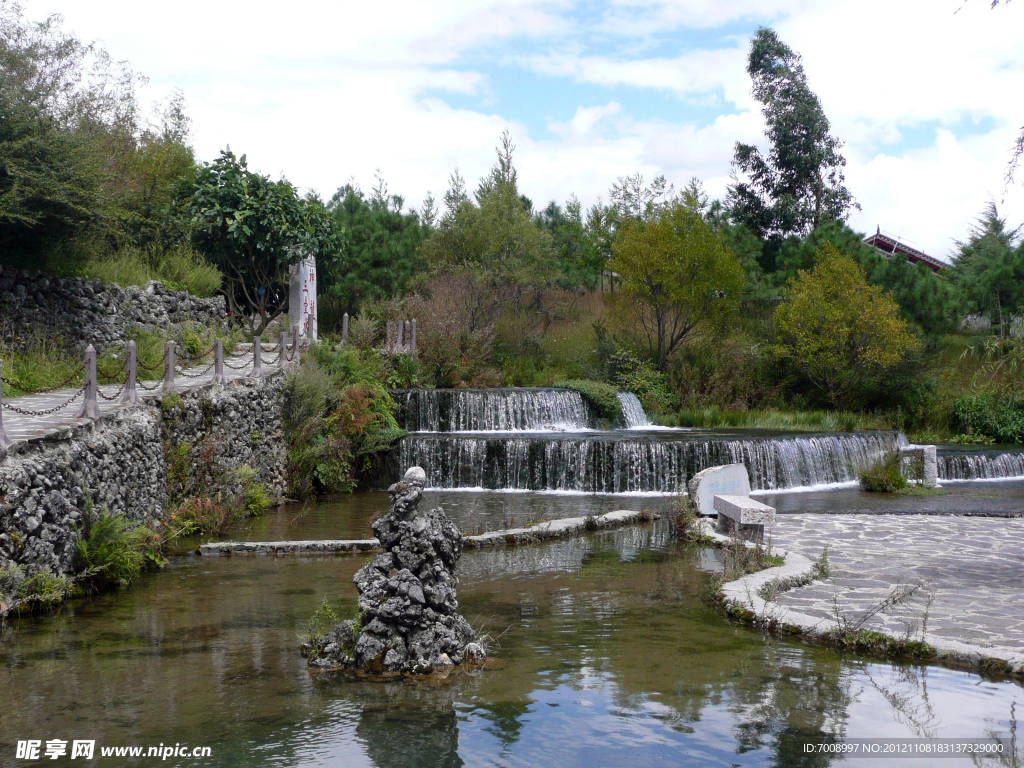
971 569
21 427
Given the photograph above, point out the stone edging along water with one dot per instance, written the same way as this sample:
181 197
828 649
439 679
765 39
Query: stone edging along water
744 599
554 529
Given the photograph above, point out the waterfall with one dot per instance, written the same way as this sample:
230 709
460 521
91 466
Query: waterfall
490 410
980 465
606 463
632 411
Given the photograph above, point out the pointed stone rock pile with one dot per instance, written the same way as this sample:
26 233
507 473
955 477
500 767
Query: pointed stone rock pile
408 609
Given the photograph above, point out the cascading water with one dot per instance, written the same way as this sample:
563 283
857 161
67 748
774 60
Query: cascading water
632 411
490 410
549 444
624 463
980 465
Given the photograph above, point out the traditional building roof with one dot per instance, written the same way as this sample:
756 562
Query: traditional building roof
890 245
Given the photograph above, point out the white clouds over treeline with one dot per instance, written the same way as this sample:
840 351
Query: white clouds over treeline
925 97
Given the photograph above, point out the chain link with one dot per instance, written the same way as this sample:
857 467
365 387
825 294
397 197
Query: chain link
241 367
199 375
45 390
111 397
48 411
154 388
113 377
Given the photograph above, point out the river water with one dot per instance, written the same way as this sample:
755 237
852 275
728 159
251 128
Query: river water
607 654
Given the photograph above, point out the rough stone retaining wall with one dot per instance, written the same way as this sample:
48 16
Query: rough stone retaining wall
86 312
228 427
118 462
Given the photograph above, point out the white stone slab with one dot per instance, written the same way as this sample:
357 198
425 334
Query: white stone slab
744 510
727 480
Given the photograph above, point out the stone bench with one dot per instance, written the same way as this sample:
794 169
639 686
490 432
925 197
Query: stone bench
743 516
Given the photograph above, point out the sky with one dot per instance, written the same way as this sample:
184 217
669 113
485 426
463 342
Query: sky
924 93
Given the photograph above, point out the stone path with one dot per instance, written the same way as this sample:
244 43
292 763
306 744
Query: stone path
971 570
22 427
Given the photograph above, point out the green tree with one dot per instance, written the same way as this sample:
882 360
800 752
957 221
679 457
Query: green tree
839 330
81 172
988 268
927 298
493 245
382 245
253 229
799 184
48 184
579 258
678 278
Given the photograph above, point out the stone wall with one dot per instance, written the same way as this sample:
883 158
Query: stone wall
119 462
85 312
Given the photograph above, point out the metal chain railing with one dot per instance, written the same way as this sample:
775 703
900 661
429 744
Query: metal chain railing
241 367
27 412
186 374
154 388
110 397
112 378
44 390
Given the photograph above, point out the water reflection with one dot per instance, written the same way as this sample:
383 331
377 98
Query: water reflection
609 656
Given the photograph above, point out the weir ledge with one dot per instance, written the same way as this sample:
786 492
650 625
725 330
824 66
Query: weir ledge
554 529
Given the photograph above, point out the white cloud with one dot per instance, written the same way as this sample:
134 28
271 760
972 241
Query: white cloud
324 91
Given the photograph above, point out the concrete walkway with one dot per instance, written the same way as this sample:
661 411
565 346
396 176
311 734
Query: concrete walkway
22 427
970 570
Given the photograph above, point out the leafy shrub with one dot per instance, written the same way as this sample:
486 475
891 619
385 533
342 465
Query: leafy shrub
604 398
455 331
363 331
114 551
885 475
251 497
641 378
320 623
199 514
337 415
41 589
996 418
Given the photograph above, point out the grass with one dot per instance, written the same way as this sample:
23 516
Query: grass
179 268
687 521
789 421
885 475
46 364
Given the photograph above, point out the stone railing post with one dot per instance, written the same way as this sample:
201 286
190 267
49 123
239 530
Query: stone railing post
218 363
408 336
90 408
130 395
282 357
5 441
412 340
168 366
257 358
296 348
401 336
344 329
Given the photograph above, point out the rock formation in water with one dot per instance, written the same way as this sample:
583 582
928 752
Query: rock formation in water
408 612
